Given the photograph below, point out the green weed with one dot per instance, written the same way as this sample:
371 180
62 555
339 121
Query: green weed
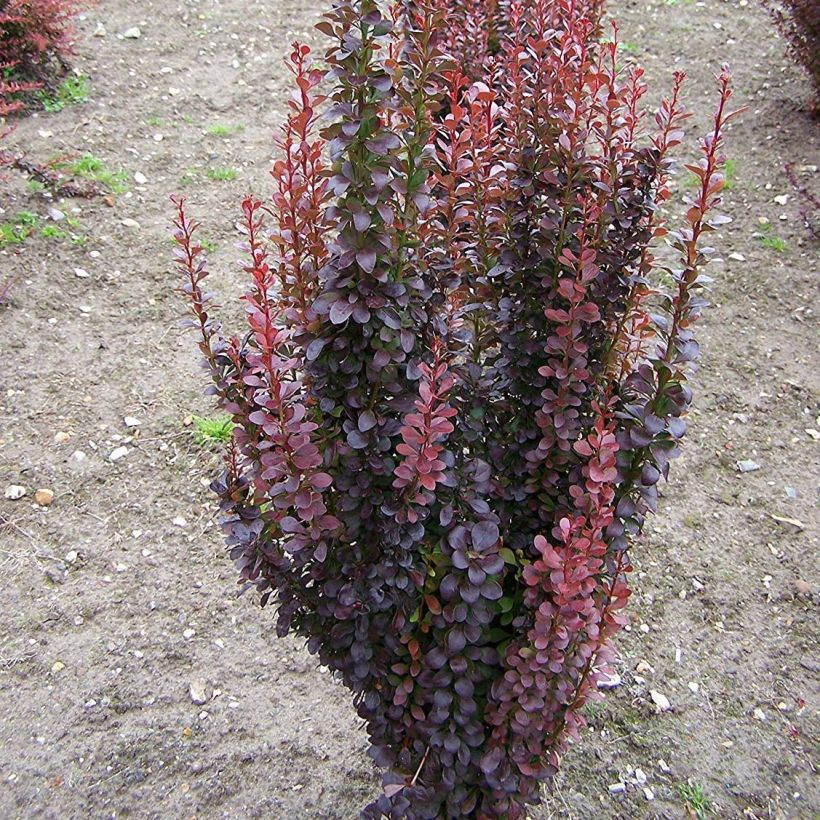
73 90
223 130
695 799
222 174
209 431
91 167
774 243
16 231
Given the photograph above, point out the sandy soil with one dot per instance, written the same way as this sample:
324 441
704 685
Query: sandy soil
119 596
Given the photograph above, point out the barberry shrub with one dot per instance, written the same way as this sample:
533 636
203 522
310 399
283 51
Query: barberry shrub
10 93
461 381
799 22
37 34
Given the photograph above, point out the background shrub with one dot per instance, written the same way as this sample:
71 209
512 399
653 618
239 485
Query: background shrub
36 36
799 22
461 381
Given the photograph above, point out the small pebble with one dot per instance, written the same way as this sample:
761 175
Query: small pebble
747 466
131 421
15 492
44 497
61 437
198 692
188 633
660 700
140 178
617 788
130 223
58 667
133 33
81 273
118 453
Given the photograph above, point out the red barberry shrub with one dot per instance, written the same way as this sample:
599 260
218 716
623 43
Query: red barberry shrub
461 382
799 22
34 34
10 92
474 30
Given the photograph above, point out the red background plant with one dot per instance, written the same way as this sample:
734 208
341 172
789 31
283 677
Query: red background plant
36 33
799 23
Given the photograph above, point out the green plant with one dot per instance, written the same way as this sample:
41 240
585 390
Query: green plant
223 130
73 90
696 800
222 174
774 243
209 431
16 231
53 232
90 167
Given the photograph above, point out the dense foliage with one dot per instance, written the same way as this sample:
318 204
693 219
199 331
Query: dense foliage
34 34
799 22
460 383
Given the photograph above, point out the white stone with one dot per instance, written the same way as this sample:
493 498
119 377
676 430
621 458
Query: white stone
660 700
15 492
132 33
198 692
118 453
81 273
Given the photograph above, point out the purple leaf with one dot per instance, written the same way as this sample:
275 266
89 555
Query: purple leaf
367 421
340 311
366 259
485 534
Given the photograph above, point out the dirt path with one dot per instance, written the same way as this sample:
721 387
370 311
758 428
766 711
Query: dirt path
119 595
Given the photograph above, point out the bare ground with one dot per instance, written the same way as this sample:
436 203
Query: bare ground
119 595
